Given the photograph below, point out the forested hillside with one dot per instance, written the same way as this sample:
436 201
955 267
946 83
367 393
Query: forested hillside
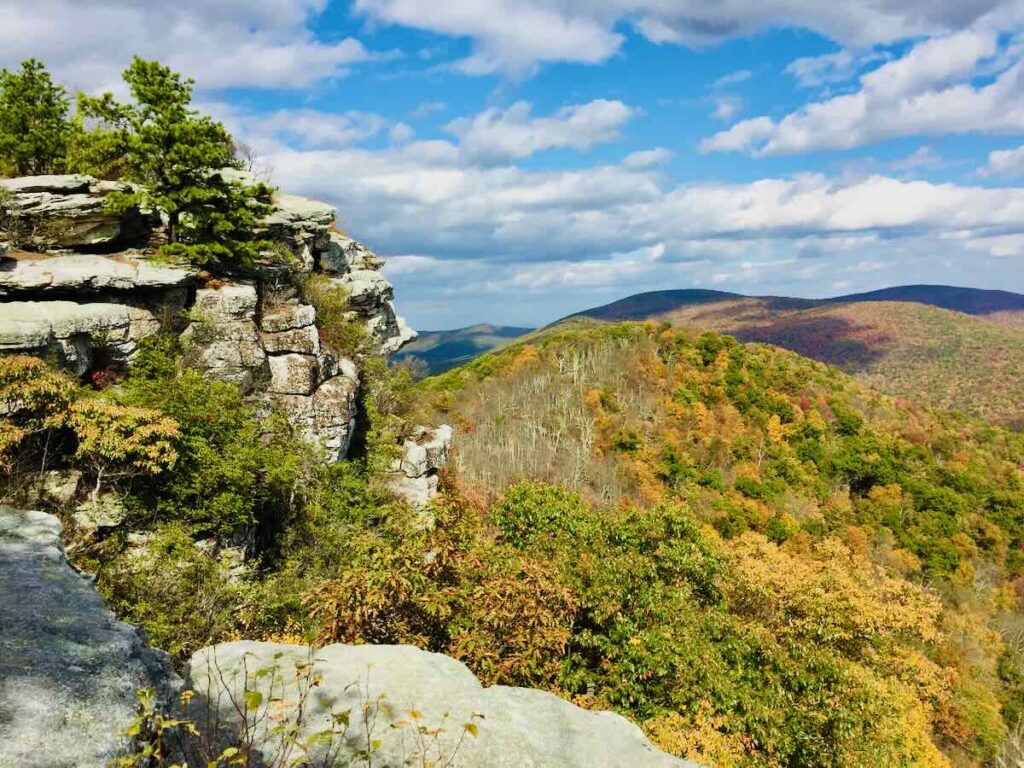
954 348
440 351
763 560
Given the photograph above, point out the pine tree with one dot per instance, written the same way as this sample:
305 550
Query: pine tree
34 126
178 157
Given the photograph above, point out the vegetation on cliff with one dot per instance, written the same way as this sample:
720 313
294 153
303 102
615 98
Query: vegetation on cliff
158 141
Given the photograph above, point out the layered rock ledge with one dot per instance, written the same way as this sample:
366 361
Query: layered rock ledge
84 287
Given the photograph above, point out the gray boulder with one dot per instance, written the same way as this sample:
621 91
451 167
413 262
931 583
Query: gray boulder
68 669
391 691
223 337
415 474
71 211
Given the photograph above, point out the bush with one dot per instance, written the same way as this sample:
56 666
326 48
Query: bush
182 596
339 330
233 470
530 512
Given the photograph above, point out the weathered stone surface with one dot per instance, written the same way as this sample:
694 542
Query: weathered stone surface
61 184
287 316
68 669
71 211
59 486
73 332
367 289
304 341
301 212
516 727
88 273
327 417
344 255
414 475
103 514
293 374
223 338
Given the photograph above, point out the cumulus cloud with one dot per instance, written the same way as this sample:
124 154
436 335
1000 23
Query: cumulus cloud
221 43
1005 162
815 71
315 129
929 91
498 135
425 198
568 30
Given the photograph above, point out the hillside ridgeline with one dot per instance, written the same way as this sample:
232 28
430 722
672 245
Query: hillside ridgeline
952 348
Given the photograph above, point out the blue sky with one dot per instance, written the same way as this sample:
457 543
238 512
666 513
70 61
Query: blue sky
519 160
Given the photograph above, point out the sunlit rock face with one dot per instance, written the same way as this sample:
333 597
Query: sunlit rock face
83 286
390 693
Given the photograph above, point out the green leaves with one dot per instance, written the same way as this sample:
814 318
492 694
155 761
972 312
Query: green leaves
34 128
253 699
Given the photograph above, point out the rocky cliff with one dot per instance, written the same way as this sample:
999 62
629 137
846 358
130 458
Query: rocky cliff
85 285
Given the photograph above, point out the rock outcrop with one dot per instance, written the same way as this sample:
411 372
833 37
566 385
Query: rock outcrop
89 288
72 212
69 670
391 691
415 475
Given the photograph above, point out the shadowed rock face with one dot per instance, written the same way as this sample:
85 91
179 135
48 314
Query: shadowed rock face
402 688
68 669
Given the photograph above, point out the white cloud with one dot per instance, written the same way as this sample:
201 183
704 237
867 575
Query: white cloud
222 43
733 78
427 108
926 92
1009 162
497 135
838 67
401 133
922 157
726 108
516 35
647 158
315 129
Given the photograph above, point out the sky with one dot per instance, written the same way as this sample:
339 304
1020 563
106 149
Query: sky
519 160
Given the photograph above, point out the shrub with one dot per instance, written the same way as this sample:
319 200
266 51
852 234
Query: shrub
339 330
118 441
532 511
233 470
182 596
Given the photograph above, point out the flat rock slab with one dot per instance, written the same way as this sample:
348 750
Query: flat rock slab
516 727
68 669
82 273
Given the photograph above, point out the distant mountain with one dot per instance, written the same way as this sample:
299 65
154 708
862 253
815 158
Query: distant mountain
955 348
443 350
1001 307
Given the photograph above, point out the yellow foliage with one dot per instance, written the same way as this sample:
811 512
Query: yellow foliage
835 597
699 738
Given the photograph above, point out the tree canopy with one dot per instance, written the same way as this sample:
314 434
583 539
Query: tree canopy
183 161
34 127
